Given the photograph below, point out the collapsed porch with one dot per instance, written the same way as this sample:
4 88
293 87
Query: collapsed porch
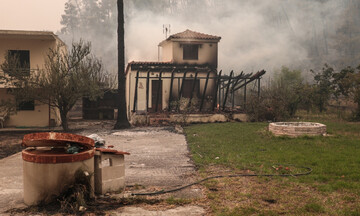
165 88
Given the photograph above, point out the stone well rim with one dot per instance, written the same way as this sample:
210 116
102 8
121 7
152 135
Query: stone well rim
297 124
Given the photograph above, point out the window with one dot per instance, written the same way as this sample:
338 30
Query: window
26 105
190 51
22 58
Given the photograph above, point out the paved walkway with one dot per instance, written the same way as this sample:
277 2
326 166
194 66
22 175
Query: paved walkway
159 159
11 183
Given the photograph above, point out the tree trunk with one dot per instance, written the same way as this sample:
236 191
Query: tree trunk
64 120
122 120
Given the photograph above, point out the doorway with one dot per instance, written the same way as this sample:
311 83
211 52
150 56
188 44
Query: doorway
156 95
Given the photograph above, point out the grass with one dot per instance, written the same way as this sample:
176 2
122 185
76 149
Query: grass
229 148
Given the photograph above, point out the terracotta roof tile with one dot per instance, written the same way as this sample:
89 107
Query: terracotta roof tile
188 34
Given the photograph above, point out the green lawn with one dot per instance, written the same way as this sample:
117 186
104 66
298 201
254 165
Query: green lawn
335 160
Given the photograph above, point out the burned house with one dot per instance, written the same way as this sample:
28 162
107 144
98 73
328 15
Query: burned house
184 77
187 81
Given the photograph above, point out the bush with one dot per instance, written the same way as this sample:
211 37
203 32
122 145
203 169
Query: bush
279 101
270 106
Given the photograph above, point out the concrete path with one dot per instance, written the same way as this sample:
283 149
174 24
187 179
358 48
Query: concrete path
159 160
158 157
11 183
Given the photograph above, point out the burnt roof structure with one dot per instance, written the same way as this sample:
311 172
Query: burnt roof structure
166 66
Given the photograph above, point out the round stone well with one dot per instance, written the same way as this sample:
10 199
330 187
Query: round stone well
294 129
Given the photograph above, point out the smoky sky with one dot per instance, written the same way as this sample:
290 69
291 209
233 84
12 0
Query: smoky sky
256 34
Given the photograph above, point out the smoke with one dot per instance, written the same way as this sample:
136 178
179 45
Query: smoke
256 34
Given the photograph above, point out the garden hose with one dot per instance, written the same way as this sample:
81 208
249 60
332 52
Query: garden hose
308 171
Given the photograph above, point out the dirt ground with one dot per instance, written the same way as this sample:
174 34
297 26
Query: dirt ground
159 160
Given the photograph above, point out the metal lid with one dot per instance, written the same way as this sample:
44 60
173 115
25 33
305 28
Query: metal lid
53 139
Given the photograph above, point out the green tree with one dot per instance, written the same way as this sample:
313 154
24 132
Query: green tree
307 97
347 83
289 83
323 88
68 75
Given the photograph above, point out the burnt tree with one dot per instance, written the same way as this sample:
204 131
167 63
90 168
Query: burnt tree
122 120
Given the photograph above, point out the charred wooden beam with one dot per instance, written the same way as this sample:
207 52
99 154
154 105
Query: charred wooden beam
171 89
182 68
237 78
245 95
193 88
227 89
216 90
234 79
204 92
256 76
147 90
169 77
158 92
136 90
258 87
182 85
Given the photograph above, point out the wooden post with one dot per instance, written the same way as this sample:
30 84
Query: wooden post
204 92
158 92
233 86
182 85
136 90
193 88
171 89
147 90
259 87
216 90
227 89
245 94
220 95
223 91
